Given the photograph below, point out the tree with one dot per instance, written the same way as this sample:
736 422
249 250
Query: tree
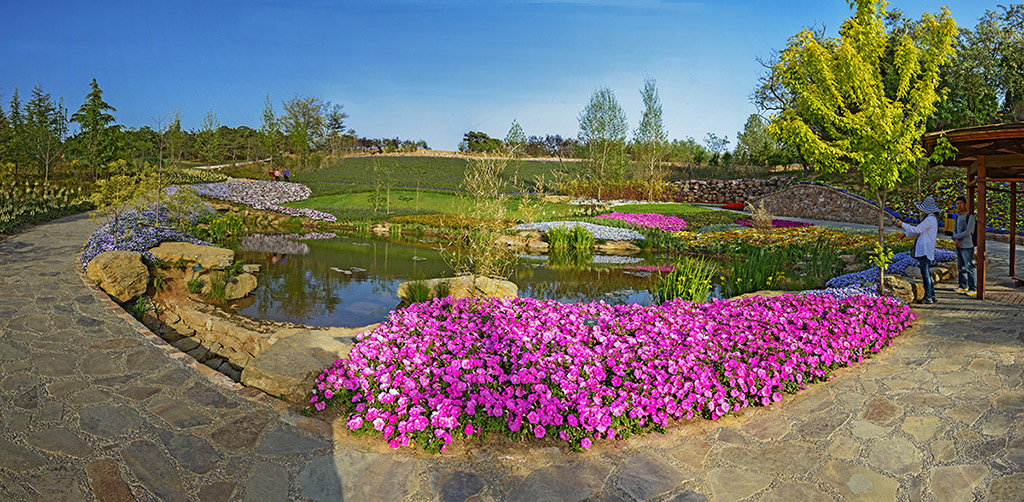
303 122
843 117
46 126
16 143
515 140
175 138
603 129
5 136
754 146
270 131
479 142
207 139
94 119
716 146
334 127
650 138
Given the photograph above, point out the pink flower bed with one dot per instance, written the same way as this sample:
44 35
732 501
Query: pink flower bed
650 220
777 223
453 368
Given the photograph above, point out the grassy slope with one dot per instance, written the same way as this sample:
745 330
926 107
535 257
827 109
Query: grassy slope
437 173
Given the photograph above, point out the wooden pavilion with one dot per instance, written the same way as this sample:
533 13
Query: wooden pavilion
992 153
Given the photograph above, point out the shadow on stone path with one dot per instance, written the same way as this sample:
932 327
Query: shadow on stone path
92 407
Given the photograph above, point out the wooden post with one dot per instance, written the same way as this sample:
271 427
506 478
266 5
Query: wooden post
1013 229
979 257
970 192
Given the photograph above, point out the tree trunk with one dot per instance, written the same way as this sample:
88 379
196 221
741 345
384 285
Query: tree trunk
880 197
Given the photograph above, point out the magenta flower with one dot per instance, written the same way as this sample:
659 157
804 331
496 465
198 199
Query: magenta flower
649 220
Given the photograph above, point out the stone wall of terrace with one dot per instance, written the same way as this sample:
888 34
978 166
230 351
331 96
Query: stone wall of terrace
729 191
818 202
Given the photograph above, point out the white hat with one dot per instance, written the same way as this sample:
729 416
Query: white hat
928 205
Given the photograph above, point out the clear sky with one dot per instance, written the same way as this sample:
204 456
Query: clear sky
416 69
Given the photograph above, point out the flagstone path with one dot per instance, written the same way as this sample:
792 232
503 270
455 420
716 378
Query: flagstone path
93 407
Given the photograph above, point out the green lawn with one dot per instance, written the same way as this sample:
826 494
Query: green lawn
438 173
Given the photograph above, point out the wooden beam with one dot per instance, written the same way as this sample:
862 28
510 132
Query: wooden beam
979 258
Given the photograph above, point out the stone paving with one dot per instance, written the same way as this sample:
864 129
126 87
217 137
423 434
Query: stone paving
94 407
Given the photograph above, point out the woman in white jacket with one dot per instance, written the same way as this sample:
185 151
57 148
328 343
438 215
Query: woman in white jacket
927 231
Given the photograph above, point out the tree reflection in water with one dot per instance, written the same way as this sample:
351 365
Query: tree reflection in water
352 280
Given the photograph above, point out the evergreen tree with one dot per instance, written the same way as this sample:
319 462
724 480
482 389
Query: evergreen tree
46 126
94 119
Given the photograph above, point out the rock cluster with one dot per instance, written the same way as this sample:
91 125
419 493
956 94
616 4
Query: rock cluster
729 191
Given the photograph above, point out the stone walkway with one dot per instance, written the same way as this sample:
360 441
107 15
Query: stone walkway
95 408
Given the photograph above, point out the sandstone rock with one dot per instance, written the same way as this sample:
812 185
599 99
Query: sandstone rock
464 286
239 286
768 293
918 288
558 199
120 273
288 367
537 246
251 268
210 257
847 259
617 247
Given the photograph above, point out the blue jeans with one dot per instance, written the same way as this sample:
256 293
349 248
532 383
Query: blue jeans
965 268
926 275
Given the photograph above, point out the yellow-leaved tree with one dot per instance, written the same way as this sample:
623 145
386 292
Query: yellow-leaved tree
861 101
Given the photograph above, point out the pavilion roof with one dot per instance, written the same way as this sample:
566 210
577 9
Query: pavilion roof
1001 144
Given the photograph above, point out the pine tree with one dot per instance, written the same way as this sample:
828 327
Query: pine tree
94 122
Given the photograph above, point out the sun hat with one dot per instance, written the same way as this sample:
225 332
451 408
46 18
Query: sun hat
928 205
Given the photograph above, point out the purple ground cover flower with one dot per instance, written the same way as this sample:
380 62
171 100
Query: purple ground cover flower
138 231
900 261
264 195
442 369
649 220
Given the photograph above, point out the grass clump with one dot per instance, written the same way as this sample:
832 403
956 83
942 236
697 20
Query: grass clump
195 285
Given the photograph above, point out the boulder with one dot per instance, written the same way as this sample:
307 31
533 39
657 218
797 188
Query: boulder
251 268
210 257
918 288
768 293
617 247
239 286
120 273
899 286
847 259
287 369
537 246
912 271
464 286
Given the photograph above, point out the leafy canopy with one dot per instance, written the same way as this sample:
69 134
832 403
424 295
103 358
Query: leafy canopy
843 117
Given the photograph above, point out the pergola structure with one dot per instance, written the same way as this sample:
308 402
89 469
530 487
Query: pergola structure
992 153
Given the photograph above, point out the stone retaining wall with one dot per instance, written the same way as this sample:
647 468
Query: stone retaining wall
729 191
819 202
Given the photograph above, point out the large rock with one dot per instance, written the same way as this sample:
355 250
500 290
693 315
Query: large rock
287 369
899 287
210 257
465 286
120 273
617 247
239 286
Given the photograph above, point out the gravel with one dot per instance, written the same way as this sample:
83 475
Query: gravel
599 232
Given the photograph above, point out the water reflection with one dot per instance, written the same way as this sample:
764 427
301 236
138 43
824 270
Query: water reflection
351 280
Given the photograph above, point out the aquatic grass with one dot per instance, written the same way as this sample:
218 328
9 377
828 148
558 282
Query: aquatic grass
689 280
756 269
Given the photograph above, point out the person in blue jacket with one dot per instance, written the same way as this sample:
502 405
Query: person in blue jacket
963 236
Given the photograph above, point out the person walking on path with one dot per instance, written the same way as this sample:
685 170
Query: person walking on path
924 250
277 175
963 236
287 173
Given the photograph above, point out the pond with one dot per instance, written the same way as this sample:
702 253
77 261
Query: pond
351 281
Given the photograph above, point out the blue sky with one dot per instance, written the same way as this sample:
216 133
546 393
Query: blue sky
416 69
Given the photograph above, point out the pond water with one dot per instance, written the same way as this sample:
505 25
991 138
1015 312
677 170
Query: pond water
351 280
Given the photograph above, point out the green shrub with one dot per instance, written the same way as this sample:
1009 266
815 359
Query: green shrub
139 308
690 280
159 280
195 285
